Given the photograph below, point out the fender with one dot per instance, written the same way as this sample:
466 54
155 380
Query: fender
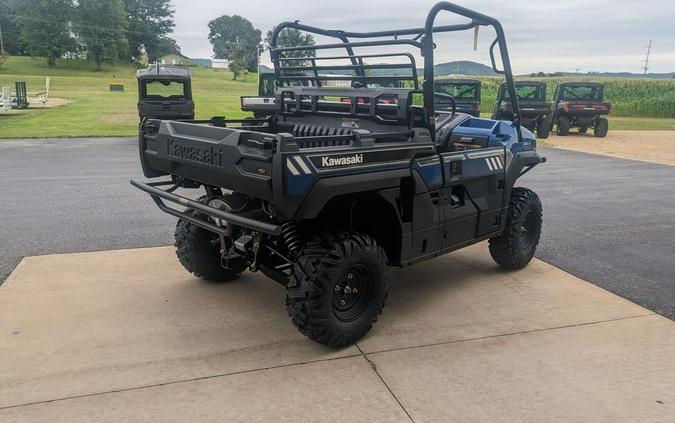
520 164
327 188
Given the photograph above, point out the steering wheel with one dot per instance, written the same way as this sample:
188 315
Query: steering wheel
448 97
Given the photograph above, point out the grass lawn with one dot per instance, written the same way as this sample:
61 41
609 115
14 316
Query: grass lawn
93 110
641 123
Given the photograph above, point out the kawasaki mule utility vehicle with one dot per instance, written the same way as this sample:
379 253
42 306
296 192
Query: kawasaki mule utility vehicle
580 105
465 92
324 195
535 112
165 92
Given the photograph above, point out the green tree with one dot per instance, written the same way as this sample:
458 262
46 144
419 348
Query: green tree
291 37
238 59
102 24
11 34
45 28
166 45
234 38
150 22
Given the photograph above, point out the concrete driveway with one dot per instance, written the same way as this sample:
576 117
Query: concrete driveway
128 335
609 221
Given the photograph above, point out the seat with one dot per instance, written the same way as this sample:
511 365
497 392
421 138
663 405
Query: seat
445 123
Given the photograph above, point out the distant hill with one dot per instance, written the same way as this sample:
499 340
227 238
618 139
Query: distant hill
265 69
463 67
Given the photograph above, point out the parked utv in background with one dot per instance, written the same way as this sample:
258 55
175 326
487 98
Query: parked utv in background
466 93
535 112
324 195
165 92
580 105
263 104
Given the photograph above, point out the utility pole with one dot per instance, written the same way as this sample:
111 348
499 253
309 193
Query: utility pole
578 70
2 45
649 50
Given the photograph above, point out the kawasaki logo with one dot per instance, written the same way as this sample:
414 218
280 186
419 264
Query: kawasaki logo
210 156
328 161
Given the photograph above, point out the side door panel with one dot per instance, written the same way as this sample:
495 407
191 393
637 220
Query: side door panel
426 214
474 186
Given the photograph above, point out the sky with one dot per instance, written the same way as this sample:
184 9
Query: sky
543 35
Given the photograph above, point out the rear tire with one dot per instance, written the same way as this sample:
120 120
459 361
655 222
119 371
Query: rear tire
338 288
543 129
601 128
563 126
515 247
198 250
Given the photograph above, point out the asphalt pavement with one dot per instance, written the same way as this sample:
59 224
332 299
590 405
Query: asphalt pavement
609 221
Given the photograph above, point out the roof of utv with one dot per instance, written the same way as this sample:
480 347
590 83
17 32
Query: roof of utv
581 84
163 71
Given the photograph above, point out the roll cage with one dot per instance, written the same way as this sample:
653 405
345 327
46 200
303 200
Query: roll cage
287 63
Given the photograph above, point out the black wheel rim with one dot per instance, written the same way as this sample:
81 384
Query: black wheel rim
352 292
528 229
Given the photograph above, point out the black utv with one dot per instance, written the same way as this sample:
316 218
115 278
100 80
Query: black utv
325 195
165 92
535 112
466 93
580 105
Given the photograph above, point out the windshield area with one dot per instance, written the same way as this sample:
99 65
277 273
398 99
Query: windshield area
165 89
533 92
458 91
582 92
268 86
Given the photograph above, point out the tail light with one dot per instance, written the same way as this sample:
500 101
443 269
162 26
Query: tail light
504 107
359 100
241 101
476 106
565 106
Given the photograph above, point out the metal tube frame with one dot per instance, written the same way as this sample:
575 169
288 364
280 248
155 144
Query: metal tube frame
422 39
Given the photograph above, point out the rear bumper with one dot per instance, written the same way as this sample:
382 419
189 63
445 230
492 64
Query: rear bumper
159 196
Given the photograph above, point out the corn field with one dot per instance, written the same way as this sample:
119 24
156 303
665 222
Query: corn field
629 97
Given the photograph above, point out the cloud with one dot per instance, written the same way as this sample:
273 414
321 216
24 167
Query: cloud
602 35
